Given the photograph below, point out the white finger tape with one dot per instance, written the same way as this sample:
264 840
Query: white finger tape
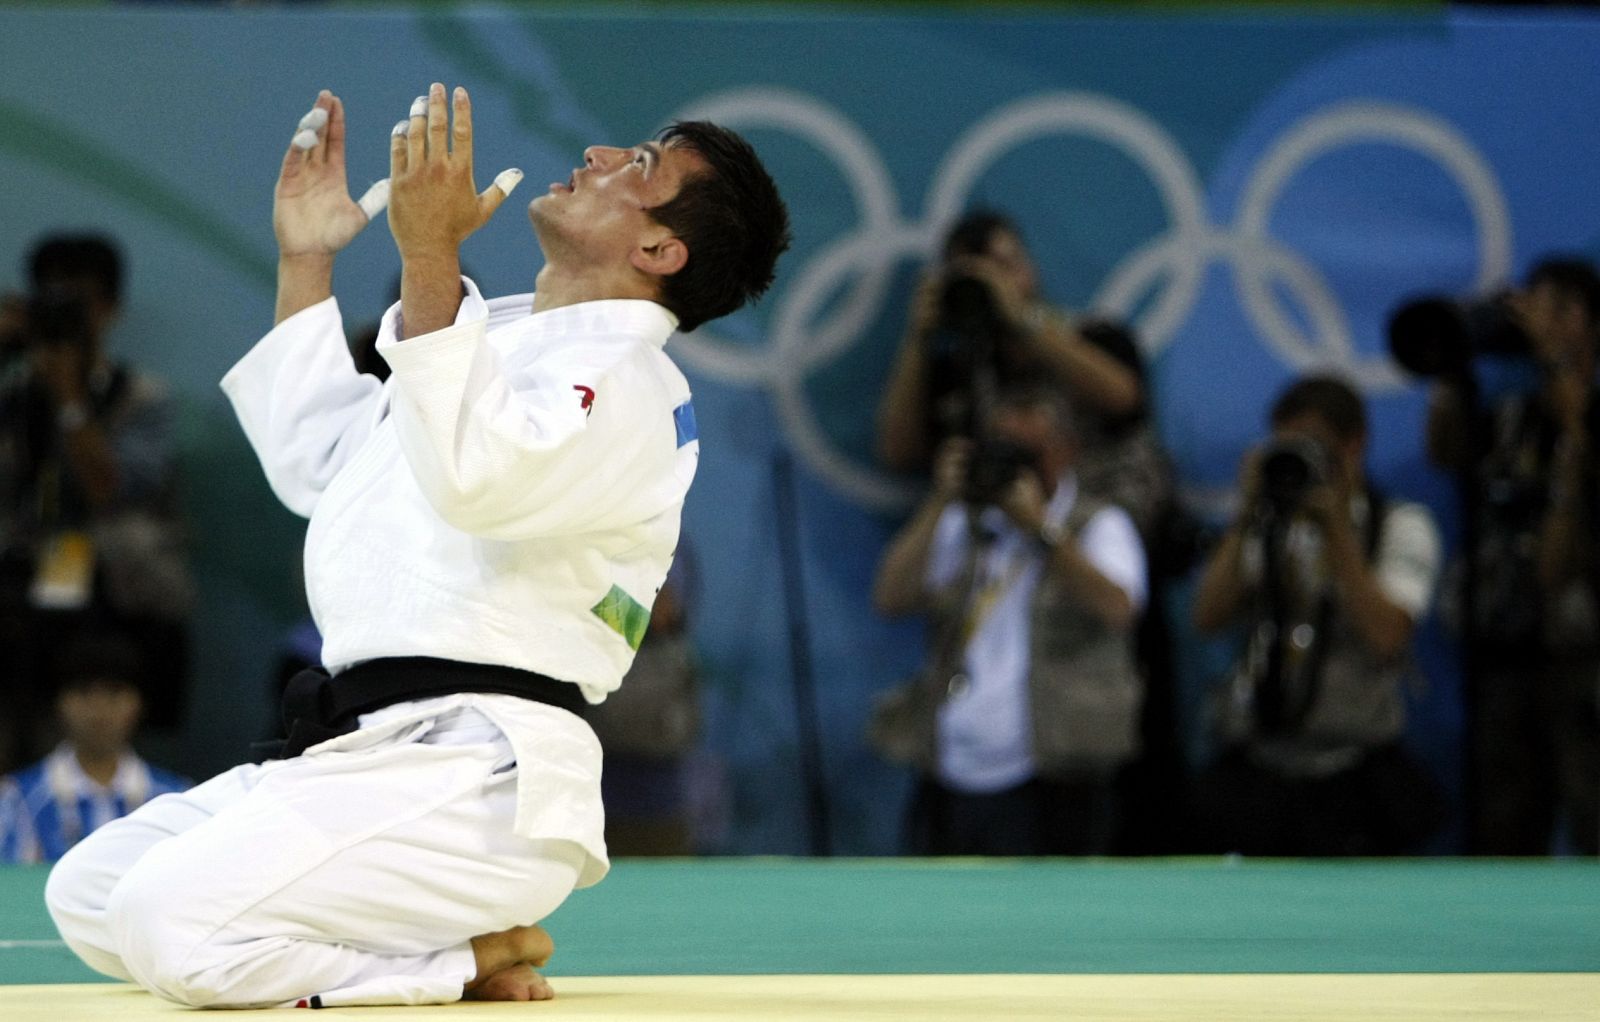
507 180
401 127
419 106
375 200
305 139
316 120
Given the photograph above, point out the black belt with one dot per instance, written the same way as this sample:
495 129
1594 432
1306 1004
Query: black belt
317 707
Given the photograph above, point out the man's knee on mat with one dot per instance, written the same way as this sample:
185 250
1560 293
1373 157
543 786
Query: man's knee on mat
75 895
158 925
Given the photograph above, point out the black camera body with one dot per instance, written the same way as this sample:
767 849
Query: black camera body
1290 468
58 315
995 465
54 315
963 353
967 308
1440 336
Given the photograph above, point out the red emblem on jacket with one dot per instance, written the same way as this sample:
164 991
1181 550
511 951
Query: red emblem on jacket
588 396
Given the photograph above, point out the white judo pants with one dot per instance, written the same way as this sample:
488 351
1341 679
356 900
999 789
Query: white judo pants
356 877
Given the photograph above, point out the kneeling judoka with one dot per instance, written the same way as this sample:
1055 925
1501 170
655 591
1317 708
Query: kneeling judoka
488 530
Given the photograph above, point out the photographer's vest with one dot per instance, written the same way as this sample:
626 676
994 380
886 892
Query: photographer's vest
1356 703
1084 690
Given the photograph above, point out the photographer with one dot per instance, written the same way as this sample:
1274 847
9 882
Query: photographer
1526 462
977 324
1330 580
1030 701
88 525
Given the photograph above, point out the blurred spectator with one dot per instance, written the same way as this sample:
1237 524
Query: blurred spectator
89 528
1329 579
1029 704
979 324
1120 458
648 728
1528 460
93 776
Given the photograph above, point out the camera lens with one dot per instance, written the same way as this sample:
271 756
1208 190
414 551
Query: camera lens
1290 468
1438 336
967 307
995 465
58 315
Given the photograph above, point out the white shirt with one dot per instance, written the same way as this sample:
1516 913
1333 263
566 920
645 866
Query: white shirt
511 495
1405 564
985 730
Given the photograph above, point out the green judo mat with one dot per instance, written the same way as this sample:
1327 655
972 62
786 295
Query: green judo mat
894 916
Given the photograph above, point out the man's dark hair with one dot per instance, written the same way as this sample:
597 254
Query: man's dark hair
78 257
93 656
730 217
1329 398
1574 279
972 234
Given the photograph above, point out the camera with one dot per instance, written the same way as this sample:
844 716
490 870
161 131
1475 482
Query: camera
52 315
967 308
1439 336
58 315
1290 468
995 465
963 353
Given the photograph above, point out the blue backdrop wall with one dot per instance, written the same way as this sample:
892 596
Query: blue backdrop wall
1255 192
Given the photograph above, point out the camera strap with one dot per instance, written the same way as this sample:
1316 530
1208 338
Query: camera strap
1290 696
989 587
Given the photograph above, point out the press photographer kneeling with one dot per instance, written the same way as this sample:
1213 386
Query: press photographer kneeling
1329 580
1029 703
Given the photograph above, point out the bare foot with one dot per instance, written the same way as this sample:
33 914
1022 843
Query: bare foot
514 983
499 953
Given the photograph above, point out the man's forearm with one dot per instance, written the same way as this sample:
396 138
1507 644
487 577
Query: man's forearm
1090 587
898 588
1092 375
430 292
1379 622
303 281
903 443
1222 587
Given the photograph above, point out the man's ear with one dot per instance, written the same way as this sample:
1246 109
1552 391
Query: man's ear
662 259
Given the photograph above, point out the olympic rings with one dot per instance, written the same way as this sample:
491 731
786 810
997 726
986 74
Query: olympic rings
799 345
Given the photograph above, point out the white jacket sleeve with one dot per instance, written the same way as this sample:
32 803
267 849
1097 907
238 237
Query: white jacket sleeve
303 406
510 464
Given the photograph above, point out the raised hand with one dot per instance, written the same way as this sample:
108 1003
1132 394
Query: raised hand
434 204
312 212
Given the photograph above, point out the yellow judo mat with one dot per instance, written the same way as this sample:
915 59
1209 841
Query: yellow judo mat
760 939
1286 998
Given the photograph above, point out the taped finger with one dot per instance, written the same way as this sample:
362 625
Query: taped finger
506 180
304 139
376 198
316 120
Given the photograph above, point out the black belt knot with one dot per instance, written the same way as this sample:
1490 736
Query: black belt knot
317 707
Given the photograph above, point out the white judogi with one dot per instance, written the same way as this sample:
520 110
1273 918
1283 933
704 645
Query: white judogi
511 495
